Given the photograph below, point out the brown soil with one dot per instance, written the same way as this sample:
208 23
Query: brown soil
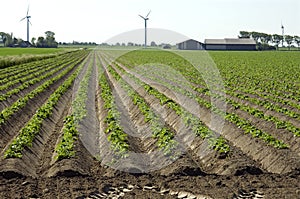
75 185
252 167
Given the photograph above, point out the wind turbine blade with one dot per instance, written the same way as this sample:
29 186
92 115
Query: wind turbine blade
23 19
142 16
27 10
148 14
30 22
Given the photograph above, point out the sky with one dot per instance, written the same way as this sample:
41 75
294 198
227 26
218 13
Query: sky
100 20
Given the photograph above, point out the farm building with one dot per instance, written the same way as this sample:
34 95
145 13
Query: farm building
230 44
190 44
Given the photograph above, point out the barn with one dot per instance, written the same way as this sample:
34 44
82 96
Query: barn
230 44
190 44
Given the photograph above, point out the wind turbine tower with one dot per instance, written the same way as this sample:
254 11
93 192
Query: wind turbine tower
28 22
145 19
282 28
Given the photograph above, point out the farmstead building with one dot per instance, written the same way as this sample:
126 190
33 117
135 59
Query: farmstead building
230 44
218 44
190 44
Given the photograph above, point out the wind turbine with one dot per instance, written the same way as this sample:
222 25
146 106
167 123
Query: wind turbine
145 19
28 21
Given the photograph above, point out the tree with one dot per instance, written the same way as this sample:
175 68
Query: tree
244 34
297 41
255 36
7 39
33 41
153 44
130 44
50 40
267 38
3 37
289 40
50 34
265 41
167 46
104 44
40 42
277 39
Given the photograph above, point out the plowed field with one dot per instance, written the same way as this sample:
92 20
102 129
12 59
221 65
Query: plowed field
149 124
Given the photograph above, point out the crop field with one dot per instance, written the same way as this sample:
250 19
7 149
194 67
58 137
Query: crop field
151 124
13 56
28 51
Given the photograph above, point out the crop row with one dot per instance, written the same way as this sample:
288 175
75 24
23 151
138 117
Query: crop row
12 70
29 75
32 128
242 76
271 98
65 147
191 121
232 117
21 102
253 111
21 75
14 61
269 74
233 84
280 124
162 133
12 73
37 79
10 76
270 91
285 91
114 130
268 102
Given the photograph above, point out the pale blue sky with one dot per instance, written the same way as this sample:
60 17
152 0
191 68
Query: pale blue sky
99 20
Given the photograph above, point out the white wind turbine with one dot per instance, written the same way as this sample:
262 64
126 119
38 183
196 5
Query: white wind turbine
28 22
145 19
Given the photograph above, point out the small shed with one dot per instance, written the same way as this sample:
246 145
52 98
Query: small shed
230 44
190 44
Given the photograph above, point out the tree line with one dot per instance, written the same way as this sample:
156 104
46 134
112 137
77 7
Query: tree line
152 44
77 43
266 41
48 41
